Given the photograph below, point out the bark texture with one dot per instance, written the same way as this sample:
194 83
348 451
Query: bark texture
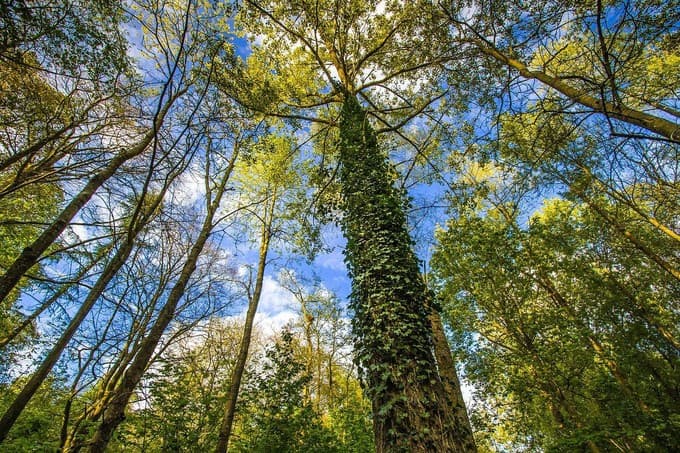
394 337
449 375
244 348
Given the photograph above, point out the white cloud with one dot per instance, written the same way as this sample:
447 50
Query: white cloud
275 298
256 39
189 189
81 232
272 324
277 306
468 392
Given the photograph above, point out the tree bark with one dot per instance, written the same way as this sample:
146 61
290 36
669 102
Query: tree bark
391 322
114 413
239 366
449 375
32 253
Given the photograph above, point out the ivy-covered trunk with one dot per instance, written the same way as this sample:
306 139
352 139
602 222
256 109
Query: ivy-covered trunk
389 298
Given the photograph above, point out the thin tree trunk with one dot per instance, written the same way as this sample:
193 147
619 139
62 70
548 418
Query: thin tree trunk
32 149
596 346
114 413
623 231
655 124
640 310
110 380
237 372
394 336
553 393
37 378
63 289
111 269
32 253
73 393
307 320
616 195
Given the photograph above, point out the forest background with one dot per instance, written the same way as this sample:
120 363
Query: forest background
293 226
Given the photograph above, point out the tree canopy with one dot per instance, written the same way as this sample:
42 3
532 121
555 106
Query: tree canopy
353 226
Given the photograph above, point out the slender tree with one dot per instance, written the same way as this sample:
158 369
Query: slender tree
112 267
267 176
113 412
32 253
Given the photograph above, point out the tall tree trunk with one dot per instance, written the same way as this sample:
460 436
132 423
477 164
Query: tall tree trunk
37 378
394 336
32 253
114 413
448 373
239 366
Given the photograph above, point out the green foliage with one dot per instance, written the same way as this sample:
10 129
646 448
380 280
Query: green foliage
323 346
185 393
184 398
559 266
268 166
386 59
68 35
558 271
181 415
271 178
23 212
351 423
38 427
577 338
29 110
618 52
277 418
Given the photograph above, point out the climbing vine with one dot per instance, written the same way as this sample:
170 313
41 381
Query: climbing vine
389 299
